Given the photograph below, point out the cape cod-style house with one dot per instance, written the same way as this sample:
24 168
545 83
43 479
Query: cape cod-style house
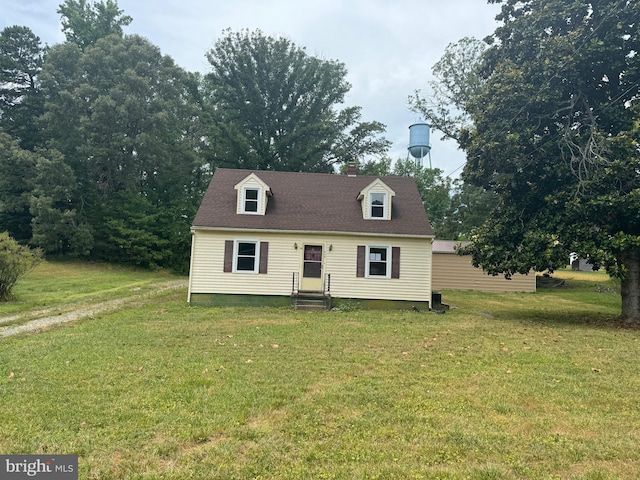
284 238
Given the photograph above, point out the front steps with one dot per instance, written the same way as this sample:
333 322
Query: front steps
311 301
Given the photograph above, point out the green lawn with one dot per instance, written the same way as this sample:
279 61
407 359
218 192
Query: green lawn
503 386
62 286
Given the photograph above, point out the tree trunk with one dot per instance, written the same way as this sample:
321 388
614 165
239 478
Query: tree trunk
630 287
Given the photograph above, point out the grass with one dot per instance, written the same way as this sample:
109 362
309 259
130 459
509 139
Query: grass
56 287
503 386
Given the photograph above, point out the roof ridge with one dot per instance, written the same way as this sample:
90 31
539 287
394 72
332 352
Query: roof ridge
286 172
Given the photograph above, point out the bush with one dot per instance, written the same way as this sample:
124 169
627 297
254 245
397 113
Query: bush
15 261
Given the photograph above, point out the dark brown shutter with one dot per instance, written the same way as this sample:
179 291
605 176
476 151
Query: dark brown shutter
228 256
361 261
264 256
395 262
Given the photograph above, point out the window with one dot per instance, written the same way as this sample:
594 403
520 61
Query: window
378 262
251 199
246 257
378 203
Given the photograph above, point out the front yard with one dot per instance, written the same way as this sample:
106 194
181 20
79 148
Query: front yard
503 386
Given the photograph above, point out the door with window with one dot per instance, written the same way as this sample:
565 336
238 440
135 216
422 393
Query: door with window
312 268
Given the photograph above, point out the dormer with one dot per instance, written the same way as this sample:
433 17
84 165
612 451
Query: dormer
252 195
376 201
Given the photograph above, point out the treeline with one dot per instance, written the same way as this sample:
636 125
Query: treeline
107 146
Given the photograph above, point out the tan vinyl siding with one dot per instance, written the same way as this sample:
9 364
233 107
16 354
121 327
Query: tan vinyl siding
415 264
207 275
339 260
455 272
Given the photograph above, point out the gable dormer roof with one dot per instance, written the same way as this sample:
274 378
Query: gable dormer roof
252 195
312 202
376 200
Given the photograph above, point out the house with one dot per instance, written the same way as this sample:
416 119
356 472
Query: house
456 272
272 238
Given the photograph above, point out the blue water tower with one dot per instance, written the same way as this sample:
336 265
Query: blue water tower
419 146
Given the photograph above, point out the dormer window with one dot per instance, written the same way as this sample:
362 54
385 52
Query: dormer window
376 200
252 196
251 199
378 203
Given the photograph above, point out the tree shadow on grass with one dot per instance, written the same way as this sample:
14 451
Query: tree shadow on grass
575 318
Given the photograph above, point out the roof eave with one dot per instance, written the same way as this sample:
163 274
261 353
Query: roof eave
314 232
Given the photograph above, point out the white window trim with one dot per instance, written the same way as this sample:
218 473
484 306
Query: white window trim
385 204
368 260
244 199
256 265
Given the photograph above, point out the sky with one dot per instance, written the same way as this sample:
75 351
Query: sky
387 46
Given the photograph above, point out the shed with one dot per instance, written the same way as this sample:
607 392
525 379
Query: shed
456 272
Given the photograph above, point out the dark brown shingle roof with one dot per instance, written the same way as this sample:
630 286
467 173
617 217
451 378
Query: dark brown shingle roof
312 202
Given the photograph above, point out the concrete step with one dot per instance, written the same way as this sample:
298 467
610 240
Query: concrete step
310 294
311 304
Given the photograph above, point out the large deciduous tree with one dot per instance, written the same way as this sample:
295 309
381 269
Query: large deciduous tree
555 135
456 82
276 107
123 115
84 23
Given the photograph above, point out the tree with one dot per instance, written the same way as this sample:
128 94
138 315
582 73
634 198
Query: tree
56 225
84 23
369 167
434 189
36 192
16 185
21 57
125 117
470 206
275 107
555 136
15 261
456 82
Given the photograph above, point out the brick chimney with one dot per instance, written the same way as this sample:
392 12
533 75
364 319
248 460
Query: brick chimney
352 170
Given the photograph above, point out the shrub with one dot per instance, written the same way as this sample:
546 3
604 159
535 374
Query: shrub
15 261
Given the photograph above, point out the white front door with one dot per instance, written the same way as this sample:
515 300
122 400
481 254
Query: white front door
312 268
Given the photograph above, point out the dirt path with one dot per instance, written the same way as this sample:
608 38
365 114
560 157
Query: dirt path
83 312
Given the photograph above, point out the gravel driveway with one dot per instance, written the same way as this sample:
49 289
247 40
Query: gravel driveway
86 311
